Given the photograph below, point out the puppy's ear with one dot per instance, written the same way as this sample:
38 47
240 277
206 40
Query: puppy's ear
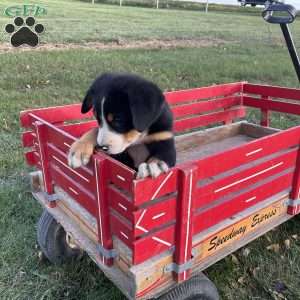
145 105
87 102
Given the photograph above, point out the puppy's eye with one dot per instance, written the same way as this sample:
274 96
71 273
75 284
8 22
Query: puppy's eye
110 117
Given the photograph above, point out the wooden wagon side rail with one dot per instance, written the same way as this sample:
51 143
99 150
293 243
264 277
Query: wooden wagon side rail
200 107
151 216
53 115
271 98
268 168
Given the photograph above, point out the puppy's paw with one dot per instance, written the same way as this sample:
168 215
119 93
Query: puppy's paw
153 169
80 154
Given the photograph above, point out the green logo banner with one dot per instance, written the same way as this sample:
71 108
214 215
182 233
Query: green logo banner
25 10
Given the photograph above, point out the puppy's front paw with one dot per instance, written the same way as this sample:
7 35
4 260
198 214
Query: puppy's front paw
153 168
80 154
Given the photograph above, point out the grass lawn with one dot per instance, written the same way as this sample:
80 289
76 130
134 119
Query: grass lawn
43 78
75 21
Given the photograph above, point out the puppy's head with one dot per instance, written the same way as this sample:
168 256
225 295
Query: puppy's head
125 107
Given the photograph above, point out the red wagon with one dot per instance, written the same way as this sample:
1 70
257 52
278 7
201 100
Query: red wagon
231 184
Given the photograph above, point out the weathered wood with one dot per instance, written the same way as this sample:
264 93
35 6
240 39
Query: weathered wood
36 181
200 144
256 131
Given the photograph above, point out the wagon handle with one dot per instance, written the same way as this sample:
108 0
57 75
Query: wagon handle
284 14
279 13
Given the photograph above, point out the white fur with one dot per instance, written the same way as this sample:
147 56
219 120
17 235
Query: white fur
153 169
76 162
115 142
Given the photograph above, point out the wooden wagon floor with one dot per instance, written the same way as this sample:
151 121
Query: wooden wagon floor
203 143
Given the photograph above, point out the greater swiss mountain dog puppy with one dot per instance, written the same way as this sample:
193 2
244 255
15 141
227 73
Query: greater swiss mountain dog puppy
135 125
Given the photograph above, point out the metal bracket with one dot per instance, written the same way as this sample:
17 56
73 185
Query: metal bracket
173 267
293 203
107 253
51 197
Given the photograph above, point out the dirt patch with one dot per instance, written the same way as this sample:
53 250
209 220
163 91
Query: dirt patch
149 44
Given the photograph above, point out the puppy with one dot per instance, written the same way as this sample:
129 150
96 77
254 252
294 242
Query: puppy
135 125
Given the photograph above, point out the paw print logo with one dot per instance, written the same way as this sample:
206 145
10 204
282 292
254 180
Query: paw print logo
24 33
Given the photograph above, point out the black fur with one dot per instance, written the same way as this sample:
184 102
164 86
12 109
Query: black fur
136 103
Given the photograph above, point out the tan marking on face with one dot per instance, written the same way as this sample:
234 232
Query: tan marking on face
132 136
110 117
158 136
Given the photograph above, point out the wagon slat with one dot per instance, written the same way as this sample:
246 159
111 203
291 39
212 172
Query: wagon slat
208 119
205 106
272 91
219 188
203 93
266 104
213 215
57 114
151 217
78 192
153 244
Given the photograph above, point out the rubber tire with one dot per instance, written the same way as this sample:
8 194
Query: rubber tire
51 237
196 288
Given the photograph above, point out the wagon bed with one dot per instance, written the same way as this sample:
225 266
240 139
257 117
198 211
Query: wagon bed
231 184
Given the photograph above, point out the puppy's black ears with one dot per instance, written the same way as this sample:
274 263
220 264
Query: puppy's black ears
87 103
145 105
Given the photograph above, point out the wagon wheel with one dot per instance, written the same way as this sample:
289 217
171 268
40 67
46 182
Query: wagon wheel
196 288
54 242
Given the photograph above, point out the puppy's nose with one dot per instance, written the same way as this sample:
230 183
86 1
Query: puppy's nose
104 147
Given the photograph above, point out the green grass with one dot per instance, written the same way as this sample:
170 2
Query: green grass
38 79
182 5
77 22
